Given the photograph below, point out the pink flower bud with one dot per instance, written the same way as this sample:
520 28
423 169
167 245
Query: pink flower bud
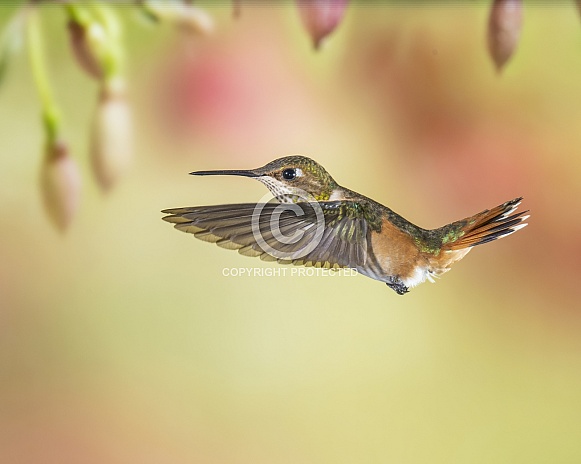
87 43
60 184
321 17
504 28
111 143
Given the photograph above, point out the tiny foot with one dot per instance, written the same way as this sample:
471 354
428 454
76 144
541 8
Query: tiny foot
397 286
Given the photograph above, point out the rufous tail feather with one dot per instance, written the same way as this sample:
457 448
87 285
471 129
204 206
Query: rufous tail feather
488 225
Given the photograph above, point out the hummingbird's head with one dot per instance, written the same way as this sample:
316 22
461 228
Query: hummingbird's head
289 178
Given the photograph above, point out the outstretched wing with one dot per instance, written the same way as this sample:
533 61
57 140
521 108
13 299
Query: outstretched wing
328 234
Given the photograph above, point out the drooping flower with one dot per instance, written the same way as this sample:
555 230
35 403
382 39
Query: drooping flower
111 137
95 38
87 43
321 17
504 27
60 182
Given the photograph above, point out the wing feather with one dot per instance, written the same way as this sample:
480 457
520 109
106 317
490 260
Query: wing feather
248 228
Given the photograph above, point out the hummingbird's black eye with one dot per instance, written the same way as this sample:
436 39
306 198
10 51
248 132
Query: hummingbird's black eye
289 174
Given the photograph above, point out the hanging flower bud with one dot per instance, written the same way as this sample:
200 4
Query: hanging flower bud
87 42
504 28
183 15
60 184
321 17
95 37
111 138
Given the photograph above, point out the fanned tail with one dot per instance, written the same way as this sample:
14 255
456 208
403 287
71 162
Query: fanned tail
488 225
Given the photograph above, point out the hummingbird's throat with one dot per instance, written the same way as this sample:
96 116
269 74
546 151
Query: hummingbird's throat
283 192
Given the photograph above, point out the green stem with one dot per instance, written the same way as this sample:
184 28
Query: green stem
77 14
113 53
50 111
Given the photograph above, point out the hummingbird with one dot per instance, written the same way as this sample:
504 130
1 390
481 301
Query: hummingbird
314 221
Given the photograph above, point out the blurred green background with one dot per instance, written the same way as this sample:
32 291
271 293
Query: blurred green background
121 340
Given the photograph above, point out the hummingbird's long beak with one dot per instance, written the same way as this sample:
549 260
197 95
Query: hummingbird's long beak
225 173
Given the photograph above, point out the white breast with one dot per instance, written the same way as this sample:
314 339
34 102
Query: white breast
420 275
